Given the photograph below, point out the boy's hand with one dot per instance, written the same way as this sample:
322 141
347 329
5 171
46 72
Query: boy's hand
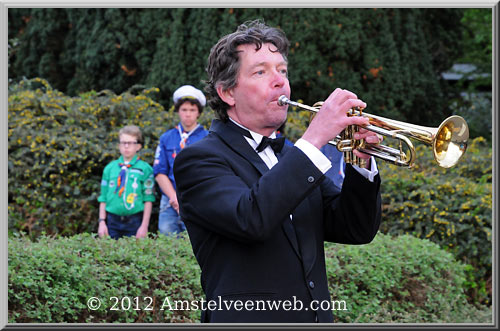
174 203
103 230
142 232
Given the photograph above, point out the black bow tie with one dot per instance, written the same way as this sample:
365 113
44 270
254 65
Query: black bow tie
276 144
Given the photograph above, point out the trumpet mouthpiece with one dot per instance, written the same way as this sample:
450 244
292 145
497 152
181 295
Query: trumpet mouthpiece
283 100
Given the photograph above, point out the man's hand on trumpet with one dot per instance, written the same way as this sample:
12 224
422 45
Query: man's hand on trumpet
332 119
370 137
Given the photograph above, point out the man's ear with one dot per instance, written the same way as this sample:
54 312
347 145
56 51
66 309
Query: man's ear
226 95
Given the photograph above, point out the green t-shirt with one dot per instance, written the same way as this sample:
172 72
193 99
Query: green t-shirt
138 188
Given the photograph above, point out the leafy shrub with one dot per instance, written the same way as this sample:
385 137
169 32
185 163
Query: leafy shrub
59 146
51 280
390 280
452 207
402 279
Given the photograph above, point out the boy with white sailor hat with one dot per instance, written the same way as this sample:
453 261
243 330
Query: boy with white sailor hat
188 103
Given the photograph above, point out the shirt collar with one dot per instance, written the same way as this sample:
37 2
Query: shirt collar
121 160
194 129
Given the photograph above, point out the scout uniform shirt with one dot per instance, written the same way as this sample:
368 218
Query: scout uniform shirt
171 143
137 186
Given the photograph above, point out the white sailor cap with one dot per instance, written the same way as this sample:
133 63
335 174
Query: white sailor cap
188 91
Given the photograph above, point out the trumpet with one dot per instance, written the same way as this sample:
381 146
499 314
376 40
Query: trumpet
448 140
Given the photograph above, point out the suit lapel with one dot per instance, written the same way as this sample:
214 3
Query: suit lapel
238 143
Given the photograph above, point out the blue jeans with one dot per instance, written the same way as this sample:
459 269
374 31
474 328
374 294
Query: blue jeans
119 226
169 222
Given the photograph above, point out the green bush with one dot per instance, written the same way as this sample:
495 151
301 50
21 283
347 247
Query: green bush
390 280
59 146
399 279
50 281
452 207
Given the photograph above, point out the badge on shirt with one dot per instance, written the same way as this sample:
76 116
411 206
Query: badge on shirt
148 183
131 198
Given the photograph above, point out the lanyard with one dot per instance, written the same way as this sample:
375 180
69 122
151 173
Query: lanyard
184 135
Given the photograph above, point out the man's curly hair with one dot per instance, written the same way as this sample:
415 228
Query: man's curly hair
224 61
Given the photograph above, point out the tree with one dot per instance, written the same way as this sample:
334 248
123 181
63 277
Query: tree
477 41
392 58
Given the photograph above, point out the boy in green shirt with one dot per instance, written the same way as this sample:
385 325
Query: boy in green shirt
127 190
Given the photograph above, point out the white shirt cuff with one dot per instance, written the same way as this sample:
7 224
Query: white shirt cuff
315 155
368 174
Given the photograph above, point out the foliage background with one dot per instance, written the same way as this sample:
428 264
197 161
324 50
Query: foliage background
393 58
101 69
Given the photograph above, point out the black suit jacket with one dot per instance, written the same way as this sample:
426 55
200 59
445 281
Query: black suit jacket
237 213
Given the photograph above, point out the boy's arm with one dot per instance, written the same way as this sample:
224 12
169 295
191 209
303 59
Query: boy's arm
166 186
160 171
103 228
143 229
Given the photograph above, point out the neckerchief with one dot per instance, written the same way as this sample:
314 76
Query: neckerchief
185 135
120 182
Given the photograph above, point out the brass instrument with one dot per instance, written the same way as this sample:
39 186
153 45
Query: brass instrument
448 140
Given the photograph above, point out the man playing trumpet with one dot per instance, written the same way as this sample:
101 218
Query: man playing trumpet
258 212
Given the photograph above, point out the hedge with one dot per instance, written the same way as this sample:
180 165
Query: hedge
452 207
396 280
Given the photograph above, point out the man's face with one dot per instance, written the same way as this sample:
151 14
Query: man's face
262 78
188 115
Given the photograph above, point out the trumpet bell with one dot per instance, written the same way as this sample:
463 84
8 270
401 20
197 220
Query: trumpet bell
450 141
